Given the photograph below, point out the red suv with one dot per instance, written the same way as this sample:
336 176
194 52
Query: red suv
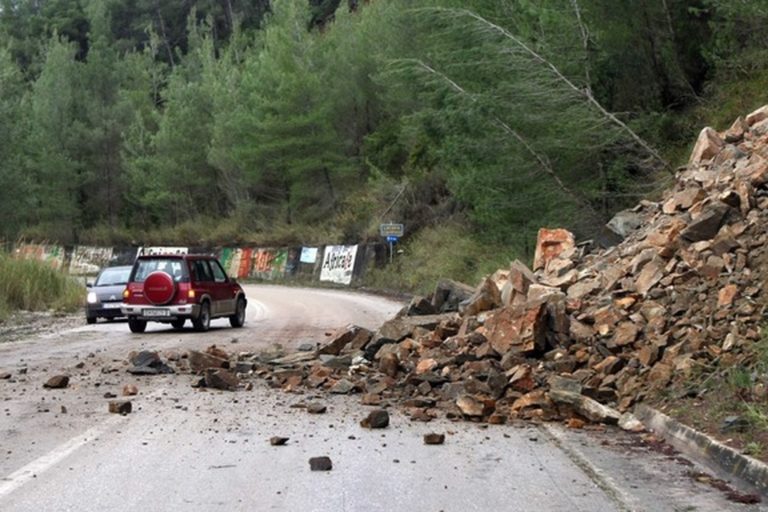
174 288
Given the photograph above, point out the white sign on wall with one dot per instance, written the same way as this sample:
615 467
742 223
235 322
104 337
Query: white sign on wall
308 255
338 263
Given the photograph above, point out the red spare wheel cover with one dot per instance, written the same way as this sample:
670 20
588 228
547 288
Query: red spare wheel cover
159 287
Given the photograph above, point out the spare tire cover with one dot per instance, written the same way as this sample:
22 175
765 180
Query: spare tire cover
159 288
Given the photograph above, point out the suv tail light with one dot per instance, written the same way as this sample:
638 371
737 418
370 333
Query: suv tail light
126 294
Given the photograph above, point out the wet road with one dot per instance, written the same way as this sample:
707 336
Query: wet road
185 449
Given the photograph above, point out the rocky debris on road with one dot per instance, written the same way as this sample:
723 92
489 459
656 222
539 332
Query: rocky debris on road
320 464
316 408
582 335
130 390
120 407
278 441
147 362
433 438
221 379
5 375
378 418
57 382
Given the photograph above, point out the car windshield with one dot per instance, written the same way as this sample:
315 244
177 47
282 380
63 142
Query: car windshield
174 267
113 276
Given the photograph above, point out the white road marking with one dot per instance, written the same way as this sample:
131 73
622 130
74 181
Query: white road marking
20 477
42 464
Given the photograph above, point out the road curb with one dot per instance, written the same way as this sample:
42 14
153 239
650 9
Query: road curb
704 449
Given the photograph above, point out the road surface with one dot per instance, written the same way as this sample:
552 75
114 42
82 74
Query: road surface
187 449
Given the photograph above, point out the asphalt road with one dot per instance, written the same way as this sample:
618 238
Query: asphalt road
185 449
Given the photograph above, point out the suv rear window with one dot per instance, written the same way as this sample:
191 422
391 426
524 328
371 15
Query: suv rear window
174 267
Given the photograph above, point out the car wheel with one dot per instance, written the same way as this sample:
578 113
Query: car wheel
238 319
90 320
203 320
178 324
136 325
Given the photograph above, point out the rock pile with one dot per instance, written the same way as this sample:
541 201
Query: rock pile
580 336
579 331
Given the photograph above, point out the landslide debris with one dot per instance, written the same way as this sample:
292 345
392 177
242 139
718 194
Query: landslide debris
584 334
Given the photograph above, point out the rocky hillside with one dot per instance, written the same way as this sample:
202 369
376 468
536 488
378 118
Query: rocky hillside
583 335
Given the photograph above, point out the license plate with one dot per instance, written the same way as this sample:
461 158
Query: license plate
112 305
155 312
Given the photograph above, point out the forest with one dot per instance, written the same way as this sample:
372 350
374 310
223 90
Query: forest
473 122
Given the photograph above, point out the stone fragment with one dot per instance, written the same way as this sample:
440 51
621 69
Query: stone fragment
758 115
389 364
57 382
737 130
625 222
471 406
706 226
278 441
449 294
727 294
485 298
221 379
550 243
120 407
426 365
522 328
343 387
586 407
419 306
316 408
378 418
320 464
433 438
630 423
707 146
339 340
5 375
201 361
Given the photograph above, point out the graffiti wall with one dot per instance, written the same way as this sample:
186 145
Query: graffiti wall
338 263
54 255
332 263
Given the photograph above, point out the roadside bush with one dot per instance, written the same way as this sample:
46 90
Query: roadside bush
446 251
35 286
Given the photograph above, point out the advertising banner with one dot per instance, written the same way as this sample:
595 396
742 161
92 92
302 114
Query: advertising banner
338 263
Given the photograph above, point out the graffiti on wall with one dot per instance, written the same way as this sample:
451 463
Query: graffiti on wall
88 259
54 255
338 263
269 264
152 251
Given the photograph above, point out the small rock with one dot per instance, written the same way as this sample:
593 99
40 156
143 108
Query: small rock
433 438
278 441
130 390
109 394
63 409
221 379
306 347
320 464
5 375
120 407
316 408
376 419
57 382
342 387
